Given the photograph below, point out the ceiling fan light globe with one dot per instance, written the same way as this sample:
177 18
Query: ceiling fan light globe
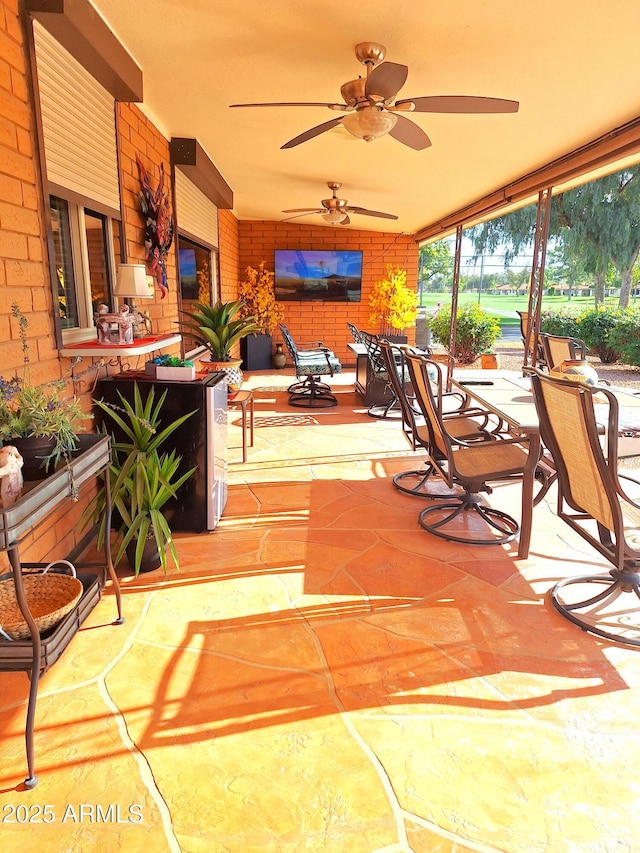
369 123
335 217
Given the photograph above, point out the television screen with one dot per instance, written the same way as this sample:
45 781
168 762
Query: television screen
323 275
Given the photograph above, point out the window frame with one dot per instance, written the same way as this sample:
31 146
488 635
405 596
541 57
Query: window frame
77 212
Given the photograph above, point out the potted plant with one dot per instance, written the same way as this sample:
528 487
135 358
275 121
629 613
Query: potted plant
142 481
393 304
171 367
40 420
259 301
214 328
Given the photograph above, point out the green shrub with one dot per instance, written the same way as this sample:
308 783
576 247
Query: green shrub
560 323
476 331
625 337
594 328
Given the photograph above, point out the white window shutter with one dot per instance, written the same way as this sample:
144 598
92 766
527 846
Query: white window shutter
197 215
78 122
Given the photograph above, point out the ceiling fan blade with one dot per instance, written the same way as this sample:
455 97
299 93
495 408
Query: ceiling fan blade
305 210
314 131
341 107
346 220
298 215
386 80
410 134
461 104
364 212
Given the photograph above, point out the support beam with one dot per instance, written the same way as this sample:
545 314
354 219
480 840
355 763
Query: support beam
453 328
191 158
543 216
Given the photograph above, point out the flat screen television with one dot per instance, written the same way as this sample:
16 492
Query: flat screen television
303 275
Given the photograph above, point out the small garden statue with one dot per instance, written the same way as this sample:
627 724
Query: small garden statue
10 475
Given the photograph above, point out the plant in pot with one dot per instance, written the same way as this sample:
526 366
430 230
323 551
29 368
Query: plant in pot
393 304
40 420
259 301
214 328
142 481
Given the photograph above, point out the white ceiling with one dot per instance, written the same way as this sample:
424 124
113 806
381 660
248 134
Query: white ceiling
572 64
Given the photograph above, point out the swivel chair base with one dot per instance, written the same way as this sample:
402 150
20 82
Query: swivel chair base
311 394
506 526
616 583
416 482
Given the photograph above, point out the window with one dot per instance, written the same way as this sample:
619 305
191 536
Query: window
84 262
197 273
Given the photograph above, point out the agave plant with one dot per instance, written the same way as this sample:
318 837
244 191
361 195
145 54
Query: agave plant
213 327
142 479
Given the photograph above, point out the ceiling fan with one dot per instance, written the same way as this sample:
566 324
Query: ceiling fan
372 108
336 210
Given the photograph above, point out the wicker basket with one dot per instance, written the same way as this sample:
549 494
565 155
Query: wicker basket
49 598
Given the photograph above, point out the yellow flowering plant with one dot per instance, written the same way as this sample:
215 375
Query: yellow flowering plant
393 303
259 301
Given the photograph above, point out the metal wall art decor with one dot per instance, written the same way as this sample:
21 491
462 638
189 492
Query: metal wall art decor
158 235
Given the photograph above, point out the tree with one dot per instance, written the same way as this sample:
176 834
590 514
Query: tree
598 222
435 266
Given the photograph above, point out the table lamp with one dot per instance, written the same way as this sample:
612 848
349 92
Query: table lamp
133 283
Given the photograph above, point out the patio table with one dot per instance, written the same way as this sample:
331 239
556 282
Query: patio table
507 394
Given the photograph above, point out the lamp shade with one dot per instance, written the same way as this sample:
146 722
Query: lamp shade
132 281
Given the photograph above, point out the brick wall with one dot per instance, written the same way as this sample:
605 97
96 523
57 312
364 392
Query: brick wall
137 136
229 257
24 271
327 321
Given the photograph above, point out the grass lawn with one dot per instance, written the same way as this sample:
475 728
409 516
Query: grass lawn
505 307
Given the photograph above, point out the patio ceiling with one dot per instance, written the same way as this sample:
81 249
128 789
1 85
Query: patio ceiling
571 65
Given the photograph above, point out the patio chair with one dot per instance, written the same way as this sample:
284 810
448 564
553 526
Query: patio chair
460 423
380 373
355 333
524 328
311 392
472 467
557 348
592 502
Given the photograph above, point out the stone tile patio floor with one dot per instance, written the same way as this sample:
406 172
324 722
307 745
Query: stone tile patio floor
322 675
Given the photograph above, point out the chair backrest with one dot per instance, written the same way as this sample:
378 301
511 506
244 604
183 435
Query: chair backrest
374 354
396 368
289 342
524 330
587 478
558 348
355 333
422 371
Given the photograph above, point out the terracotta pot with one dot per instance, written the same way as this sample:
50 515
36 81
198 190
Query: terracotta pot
490 360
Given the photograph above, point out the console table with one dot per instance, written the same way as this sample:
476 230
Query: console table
39 501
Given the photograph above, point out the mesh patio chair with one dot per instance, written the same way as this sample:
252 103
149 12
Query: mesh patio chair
459 417
472 467
390 409
355 333
524 328
592 502
310 365
557 348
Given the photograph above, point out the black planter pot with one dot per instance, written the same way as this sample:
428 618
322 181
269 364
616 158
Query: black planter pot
150 557
256 352
33 450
